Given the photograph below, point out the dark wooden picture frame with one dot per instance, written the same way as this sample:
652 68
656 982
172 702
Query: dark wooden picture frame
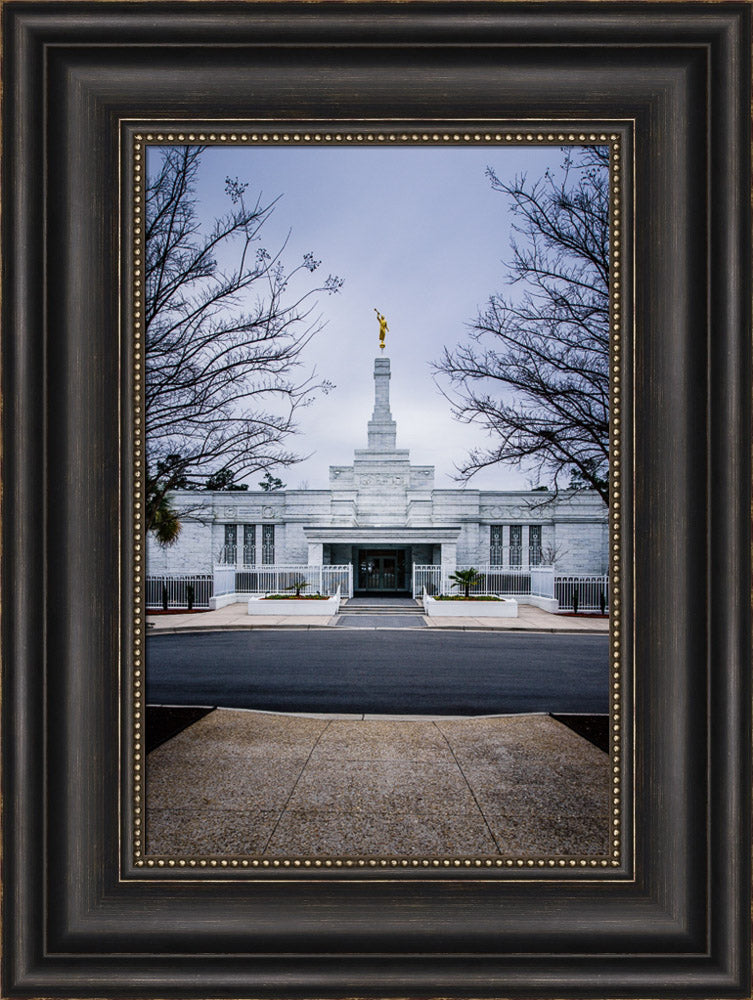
77 921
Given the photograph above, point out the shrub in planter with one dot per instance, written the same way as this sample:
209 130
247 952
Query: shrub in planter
296 597
474 597
465 578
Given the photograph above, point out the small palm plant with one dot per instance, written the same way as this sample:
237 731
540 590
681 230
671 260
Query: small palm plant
164 520
465 578
298 585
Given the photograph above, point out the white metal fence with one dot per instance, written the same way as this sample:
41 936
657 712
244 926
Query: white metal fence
337 576
178 591
590 593
169 592
264 579
428 578
505 581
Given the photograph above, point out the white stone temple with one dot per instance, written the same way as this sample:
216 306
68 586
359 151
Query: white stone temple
382 515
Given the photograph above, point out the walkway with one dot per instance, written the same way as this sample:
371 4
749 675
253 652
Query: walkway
250 783
234 616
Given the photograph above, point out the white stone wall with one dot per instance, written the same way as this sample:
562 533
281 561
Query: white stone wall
574 528
581 547
291 545
470 547
192 553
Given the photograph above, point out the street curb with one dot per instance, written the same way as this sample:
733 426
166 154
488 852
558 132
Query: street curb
374 628
362 716
234 628
517 631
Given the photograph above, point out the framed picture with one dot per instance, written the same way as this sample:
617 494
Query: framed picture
125 873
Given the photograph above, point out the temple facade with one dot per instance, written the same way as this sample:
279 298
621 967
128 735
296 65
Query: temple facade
382 515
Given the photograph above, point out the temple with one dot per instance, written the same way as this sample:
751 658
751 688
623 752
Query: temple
382 516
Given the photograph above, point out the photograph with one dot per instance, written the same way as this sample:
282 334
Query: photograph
377 385
377 436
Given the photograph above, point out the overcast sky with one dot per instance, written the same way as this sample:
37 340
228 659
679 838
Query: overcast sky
416 232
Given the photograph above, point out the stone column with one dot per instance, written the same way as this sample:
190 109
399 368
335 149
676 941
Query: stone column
316 553
449 557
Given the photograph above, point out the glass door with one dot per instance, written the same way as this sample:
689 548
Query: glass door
388 573
381 571
368 572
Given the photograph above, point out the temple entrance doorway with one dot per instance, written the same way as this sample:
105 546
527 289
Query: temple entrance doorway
382 573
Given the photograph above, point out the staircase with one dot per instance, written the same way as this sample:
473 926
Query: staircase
381 606
375 612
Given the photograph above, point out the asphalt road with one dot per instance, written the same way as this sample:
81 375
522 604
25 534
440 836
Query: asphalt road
402 672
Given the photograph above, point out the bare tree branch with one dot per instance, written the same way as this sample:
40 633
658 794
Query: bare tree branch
535 374
225 374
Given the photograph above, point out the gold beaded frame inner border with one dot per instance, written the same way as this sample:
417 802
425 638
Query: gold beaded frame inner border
331 133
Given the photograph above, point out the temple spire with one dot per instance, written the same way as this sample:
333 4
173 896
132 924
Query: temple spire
382 428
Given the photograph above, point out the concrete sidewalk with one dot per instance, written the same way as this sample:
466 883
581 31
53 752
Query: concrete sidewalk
234 616
252 783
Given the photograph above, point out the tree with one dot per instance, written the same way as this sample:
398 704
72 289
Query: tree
224 479
271 483
224 335
536 372
163 519
551 554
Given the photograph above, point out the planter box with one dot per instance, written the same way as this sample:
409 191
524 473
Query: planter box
257 605
225 600
505 607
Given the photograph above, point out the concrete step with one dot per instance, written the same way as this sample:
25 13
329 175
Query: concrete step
345 610
379 610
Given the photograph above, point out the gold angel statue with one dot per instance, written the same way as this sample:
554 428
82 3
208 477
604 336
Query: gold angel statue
383 328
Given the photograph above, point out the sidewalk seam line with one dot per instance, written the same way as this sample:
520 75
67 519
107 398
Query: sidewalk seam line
295 785
470 789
